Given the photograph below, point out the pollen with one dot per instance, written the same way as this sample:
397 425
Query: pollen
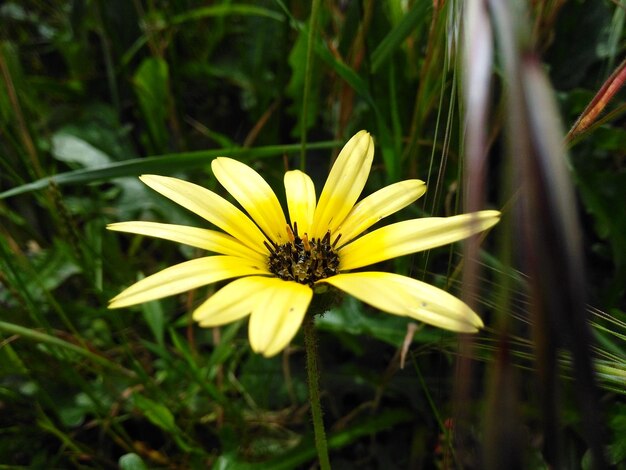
303 259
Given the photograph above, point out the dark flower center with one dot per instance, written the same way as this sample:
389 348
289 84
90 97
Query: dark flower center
303 260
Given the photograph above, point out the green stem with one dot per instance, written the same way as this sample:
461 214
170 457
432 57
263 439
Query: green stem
310 343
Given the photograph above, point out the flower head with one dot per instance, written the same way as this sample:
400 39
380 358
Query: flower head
278 264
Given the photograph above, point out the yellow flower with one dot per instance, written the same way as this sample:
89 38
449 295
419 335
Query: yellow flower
279 264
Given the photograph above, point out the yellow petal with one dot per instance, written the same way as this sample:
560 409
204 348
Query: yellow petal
211 207
379 205
186 276
277 315
401 295
412 236
254 194
300 193
210 240
230 303
344 184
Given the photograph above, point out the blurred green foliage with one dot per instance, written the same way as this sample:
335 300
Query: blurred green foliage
93 93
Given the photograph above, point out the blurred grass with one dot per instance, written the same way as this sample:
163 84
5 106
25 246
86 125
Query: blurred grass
95 93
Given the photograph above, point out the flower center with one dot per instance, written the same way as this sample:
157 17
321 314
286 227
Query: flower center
303 260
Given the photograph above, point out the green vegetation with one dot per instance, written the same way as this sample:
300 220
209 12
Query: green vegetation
470 100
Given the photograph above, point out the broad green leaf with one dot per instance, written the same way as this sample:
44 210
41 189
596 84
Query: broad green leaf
131 462
151 84
72 149
161 416
157 413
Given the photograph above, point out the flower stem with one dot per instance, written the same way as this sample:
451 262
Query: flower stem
310 344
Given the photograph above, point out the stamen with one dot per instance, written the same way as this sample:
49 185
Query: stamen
336 240
305 242
302 259
290 235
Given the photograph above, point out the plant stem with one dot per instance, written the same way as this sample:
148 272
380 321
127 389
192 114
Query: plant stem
310 343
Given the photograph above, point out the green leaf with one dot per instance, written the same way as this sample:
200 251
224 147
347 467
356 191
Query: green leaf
99 127
200 374
72 149
571 54
361 87
603 193
617 423
157 414
411 23
295 87
9 55
225 10
352 318
154 317
161 416
163 164
51 268
151 84
11 362
131 462
47 339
